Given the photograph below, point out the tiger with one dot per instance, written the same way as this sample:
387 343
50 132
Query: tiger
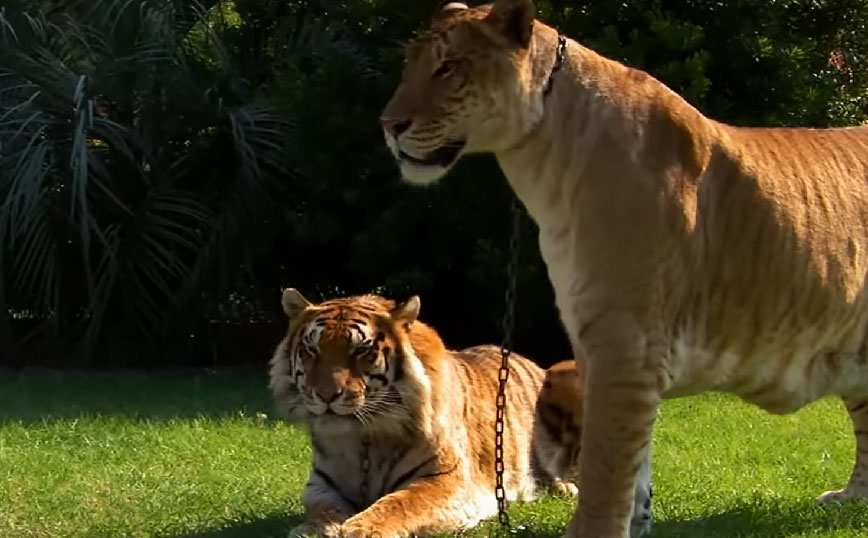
558 439
686 254
401 428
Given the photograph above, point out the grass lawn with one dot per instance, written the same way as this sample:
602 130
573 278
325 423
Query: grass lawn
201 456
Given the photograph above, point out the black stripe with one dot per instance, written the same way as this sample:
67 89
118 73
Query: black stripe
358 329
409 474
438 473
399 367
858 408
331 483
863 346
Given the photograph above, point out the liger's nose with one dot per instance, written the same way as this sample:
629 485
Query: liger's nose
395 127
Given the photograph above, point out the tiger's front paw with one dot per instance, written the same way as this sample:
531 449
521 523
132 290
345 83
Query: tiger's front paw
565 488
321 530
361 529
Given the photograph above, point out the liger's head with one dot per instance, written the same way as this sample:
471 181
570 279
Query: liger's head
468 85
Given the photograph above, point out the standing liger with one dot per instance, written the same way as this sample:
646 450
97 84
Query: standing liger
686 254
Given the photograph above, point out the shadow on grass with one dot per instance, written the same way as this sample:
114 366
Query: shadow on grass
759 518
275 526
763 519
50 396
769 518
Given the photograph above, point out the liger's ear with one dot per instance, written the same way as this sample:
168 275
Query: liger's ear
514 19
293 302
445 8
407 311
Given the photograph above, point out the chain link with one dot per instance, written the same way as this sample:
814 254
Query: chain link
503 373
365 463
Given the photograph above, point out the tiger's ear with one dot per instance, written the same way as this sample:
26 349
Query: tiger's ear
293 302
514 19
407 311
445 8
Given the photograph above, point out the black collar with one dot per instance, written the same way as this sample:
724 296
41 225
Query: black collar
559 60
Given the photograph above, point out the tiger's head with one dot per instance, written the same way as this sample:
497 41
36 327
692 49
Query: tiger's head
344 358
473 82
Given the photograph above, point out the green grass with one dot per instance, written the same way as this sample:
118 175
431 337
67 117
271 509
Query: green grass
201 456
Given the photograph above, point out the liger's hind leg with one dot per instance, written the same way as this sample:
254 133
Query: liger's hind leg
857 487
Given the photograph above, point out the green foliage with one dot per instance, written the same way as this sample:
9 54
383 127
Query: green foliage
134 162
748 62
240 152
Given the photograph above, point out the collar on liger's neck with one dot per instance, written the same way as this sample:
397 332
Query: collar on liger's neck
559 60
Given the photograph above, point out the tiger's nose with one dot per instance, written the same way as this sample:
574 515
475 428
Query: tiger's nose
395 127
329 396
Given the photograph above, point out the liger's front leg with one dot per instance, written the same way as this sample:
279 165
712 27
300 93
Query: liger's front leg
620 407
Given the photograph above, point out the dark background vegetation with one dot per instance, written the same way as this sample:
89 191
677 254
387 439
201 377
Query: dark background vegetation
166 166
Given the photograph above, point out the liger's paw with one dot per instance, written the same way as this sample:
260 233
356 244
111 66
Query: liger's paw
640 525
841 496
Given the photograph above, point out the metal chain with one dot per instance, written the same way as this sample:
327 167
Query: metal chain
365 463
503 374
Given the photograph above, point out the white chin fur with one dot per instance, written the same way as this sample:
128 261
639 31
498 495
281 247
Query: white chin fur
419 174
414 173
391 143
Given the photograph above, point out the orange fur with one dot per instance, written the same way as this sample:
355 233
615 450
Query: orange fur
558 422
686 254
558 439
361 371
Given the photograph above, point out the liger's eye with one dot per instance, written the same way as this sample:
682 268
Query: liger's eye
445 69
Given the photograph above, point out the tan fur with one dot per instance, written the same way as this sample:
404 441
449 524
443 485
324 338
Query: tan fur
558 442
686 254
361 370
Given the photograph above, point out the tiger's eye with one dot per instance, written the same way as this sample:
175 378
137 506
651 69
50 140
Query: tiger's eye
361 351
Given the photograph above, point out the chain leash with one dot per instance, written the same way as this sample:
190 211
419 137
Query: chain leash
365 463
505 351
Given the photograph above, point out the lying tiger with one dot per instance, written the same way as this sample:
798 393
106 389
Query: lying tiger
403 428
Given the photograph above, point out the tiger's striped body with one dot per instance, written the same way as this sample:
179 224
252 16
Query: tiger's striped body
558 439
402 428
